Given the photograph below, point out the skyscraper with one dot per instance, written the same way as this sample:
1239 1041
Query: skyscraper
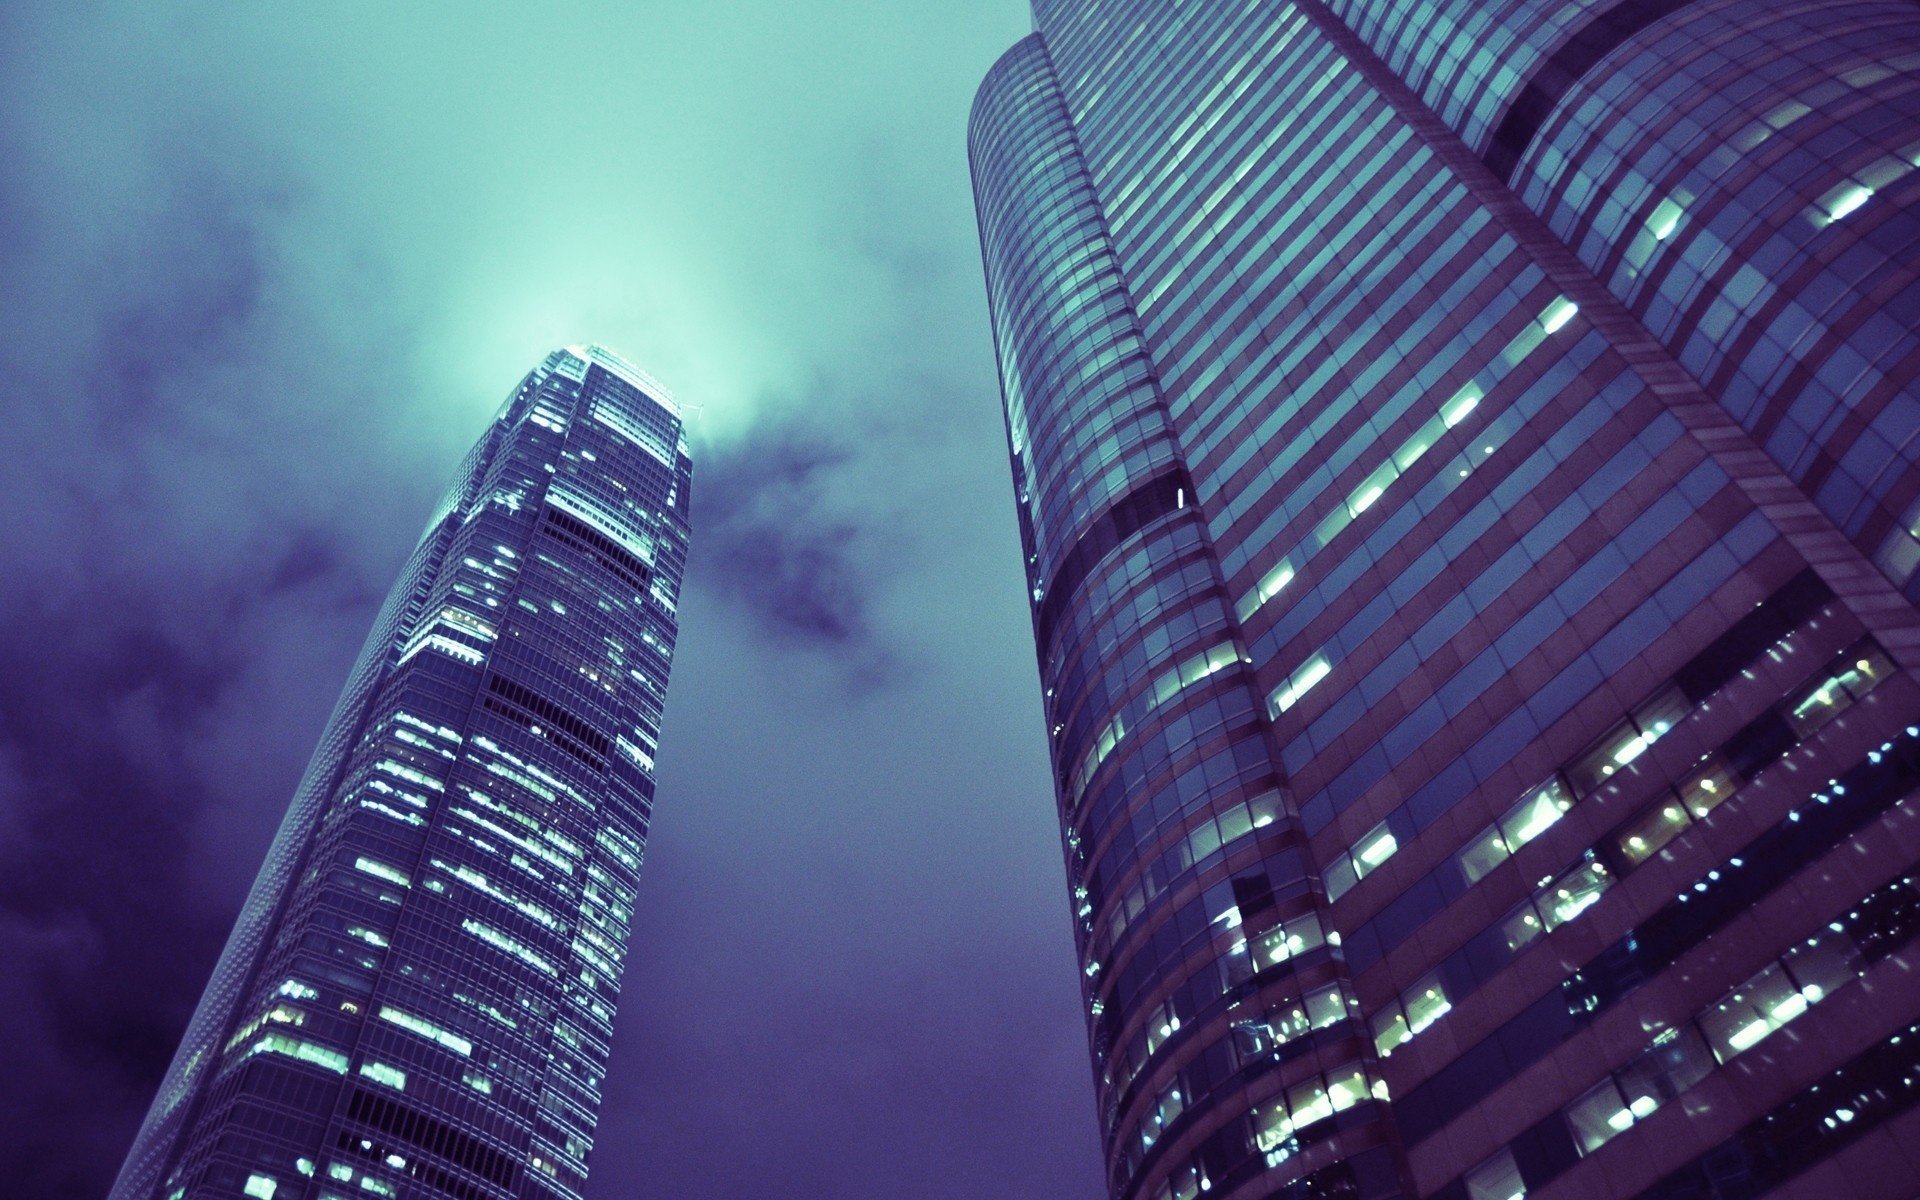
418 997
1465 455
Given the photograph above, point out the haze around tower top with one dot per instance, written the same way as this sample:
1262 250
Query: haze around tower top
267 272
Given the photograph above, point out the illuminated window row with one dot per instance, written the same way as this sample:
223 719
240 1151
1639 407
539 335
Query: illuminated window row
493 937
1264 1039
1240 962
1276 1124
1168 685
1884 778
1222 830
1543 805
1682 1057
1566 896
1551 320
427 1029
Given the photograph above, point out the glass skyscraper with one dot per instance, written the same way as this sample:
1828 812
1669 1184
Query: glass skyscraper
1465 457
418 997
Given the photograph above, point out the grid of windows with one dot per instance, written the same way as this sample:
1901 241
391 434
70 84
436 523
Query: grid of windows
420 993
1480 630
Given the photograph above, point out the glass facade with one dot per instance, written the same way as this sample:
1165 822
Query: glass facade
419 994
1481 706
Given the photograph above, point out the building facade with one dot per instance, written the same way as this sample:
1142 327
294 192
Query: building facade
418 997
1465 458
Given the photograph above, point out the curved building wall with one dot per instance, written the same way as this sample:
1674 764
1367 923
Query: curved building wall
1194 912
1745 177
418 997
1518 636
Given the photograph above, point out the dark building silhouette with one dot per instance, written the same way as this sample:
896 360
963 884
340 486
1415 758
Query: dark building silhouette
1465 454
418 997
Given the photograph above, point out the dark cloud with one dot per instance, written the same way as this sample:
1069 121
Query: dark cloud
102 926
773 540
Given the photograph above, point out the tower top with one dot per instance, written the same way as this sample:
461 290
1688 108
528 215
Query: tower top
603 357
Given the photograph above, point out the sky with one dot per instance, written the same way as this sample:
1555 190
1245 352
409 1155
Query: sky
265 273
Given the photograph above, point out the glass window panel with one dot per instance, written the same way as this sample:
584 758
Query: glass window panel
1390 1029
1346 1087
1496 1179
1340 877
1235 823
1682 1058
1251 1039
1522 927
1816 707
1309 1103
1644 1084
1425 1002
1642 837
1597 1116
1204 841
1326 1006
1818 969
1864 666
1661 714
1272 1125
1536 814
1265 809
1620 746
1708 787
1482 855
1760 1006
1773 993
1374 849
1573 893
1372 489
1289 1021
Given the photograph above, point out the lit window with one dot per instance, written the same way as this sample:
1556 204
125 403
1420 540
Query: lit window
1842 202
1706 790
1665 219
1480 856
1536 814
1597 1116
1270 586
393 1077
262 1186
380 870
426 1029
1463 403
1299 684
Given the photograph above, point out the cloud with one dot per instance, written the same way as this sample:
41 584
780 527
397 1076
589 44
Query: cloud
772 538
105 935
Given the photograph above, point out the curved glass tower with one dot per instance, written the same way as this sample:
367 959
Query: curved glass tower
1465 454
418 997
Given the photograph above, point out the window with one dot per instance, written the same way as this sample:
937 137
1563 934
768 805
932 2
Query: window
1372 850
1761 1005
380 1072
1705 790
1643 837
1573 893
1536 813
1598 1115
1628 740
1410 1013
1299 684
1496 1179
